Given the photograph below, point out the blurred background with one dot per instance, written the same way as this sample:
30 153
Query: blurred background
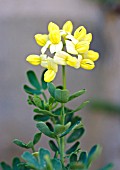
19 22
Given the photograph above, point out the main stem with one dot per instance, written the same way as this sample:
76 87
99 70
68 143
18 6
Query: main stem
62 142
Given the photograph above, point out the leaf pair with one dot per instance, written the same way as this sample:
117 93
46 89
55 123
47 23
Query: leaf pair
30 144
37 87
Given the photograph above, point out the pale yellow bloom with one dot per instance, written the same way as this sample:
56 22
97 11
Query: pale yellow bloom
52 70
87 64
63 58
92 55
78 48
35 59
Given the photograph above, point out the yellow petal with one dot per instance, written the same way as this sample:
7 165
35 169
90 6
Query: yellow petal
87 64
55 36
68 27
41 39
34 59
82 46
92 55
71 61
88 37
49 76
80 33
52 26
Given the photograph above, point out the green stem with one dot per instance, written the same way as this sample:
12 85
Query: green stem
62 118
33 149
44 96
64 77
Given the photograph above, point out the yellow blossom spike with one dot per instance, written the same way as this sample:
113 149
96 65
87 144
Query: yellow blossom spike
34 59
80 33
52 26
82 46
55 36
49 76
92 55
87 64
41 39
88 37
68 27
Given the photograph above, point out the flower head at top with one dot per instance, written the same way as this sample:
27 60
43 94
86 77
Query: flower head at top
67 49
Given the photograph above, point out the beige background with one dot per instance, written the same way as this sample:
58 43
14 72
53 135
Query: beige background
19 22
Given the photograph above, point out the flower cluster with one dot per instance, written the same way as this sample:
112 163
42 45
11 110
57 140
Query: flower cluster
67 49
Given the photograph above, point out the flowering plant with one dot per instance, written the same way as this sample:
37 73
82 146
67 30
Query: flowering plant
54 119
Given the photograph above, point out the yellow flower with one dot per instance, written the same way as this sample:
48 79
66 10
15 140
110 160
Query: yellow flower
63 58
77 48
87 64
68 27
52 70
35 59
87 37
80 33
41 39
54 43
52 27
92 55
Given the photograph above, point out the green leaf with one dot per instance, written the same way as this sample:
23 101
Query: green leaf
83 157
42 153
29 144
30 160
56 164
76 166
80 107
75 119
110 166
29 90
44 129
5 166
93 154
48 163
15 164
70 129
40 118
73 148
50 126
58 110
73 158
61 95
38 101
44 84
53 146
44 112
58 129
75 135
20 143
51 89
36 138
33 79
77 94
